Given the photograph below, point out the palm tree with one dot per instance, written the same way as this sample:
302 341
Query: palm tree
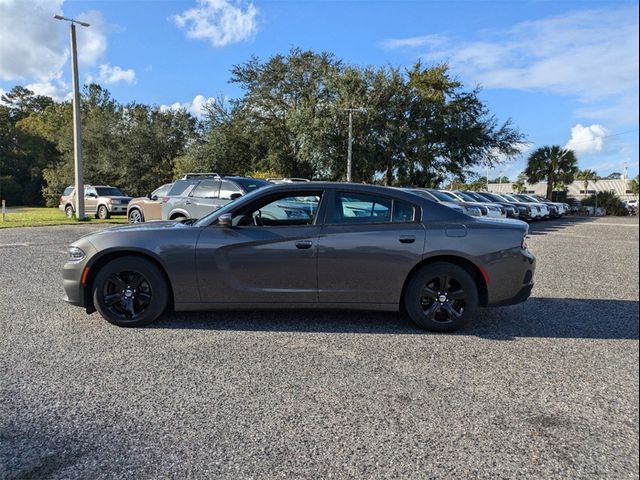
519 186
554 164
588 176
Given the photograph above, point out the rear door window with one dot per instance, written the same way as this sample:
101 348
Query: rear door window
361 208
206 189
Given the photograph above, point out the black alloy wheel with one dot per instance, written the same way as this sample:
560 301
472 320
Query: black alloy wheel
130 292
441 297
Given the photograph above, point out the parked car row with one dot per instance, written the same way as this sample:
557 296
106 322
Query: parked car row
196 195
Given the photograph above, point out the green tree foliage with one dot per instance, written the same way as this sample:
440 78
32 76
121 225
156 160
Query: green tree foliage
519 185
635 186
417 127
607 200
555 165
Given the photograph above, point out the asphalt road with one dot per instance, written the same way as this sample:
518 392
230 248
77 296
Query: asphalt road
546 389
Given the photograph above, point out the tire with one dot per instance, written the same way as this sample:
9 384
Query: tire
103 212
130 292
68 211
438 309
179 218
135 216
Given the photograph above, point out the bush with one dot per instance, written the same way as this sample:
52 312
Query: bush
607 200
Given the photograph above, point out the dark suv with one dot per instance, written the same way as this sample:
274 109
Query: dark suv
197 196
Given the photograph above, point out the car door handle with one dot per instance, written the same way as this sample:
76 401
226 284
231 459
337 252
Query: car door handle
407 238
187 202
304 244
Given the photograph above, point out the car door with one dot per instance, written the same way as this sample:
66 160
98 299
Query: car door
152 205
270 256
203 199
90 199
367 247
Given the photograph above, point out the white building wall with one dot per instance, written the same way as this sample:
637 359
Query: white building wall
622 188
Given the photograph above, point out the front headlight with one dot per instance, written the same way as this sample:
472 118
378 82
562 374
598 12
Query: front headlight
75 254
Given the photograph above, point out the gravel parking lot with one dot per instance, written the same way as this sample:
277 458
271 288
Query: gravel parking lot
545 389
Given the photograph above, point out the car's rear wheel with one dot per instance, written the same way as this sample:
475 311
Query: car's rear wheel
135 216
441 297
68 211
130 292
103 212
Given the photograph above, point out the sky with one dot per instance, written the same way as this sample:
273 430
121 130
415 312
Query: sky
565 72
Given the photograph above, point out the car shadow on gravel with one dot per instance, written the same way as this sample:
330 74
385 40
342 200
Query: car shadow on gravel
548 226
538 317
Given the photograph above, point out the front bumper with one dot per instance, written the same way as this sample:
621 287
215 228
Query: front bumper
72 276
118 209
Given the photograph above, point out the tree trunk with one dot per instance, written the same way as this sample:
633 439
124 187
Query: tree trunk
549 189
389 179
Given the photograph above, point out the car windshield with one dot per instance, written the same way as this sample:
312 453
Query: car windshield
159 192
425 194
251 184
484 196
109 192
179 187
443 196
466 196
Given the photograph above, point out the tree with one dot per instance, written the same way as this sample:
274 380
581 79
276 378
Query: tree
519 185
552 164
588 176
635 186
613 176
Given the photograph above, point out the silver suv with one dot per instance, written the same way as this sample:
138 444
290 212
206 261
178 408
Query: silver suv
99 200
198 195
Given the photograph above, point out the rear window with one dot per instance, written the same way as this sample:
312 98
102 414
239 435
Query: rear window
109 192
67 191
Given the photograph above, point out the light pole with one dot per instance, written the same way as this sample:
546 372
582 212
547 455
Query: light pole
77 137
351 110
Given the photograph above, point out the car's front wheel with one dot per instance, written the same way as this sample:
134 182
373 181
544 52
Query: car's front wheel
441 297
135 216
130 292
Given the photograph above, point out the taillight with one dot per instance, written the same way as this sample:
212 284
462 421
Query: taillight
164 199
60 200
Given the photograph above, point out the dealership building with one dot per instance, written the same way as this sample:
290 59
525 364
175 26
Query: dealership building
622 188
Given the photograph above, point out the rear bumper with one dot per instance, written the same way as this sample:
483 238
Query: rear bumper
513 274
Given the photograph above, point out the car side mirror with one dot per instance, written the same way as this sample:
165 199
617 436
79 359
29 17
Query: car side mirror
92 195
225 220
233 196
153 197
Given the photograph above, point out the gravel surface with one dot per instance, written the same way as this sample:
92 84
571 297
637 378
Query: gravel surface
545 389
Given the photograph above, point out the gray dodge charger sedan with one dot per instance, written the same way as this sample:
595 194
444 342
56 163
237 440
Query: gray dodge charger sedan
316 245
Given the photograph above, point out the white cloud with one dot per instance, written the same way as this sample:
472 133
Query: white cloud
110 75
197 107
588 140
591 54
30 39
56 89
221 22
413 42
92 41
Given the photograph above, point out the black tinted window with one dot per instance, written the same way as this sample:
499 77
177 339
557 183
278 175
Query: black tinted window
403 212
207 189
109 192
361 208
